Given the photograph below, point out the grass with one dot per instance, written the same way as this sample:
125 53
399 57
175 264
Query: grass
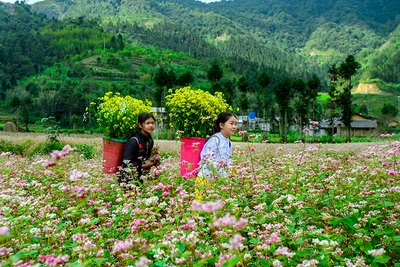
373 102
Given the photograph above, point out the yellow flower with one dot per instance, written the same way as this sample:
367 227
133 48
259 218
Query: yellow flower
188 106
117 115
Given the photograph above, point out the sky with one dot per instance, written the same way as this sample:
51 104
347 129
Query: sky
34 1
28 1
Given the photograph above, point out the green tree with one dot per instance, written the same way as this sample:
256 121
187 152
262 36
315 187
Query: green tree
263 81
302 102
363 109
283 95
26 110
228 89
185 79
340 88
389 110
314 87
243 86
164 80
388 113
214 75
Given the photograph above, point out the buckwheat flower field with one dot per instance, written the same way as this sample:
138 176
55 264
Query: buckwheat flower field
282 205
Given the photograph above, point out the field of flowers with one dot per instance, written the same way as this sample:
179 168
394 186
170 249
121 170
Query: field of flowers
283 205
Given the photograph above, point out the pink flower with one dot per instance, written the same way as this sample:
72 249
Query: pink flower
80 191
48 163
208 206
122 246
236 242
187 226
142 262
241 224
284 251
50 260
274 238
136 223
60 154
5 230
312 148
5 251
222 259
66 149
26 264
103 212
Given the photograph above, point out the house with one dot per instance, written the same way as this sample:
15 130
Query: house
360 126
394 124
251 122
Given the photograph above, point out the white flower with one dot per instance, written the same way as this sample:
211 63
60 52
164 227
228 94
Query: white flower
376 252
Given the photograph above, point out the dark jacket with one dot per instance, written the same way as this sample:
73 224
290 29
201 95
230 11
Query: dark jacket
137 150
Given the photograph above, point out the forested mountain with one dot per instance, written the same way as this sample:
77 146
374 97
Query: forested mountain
58 56
293 37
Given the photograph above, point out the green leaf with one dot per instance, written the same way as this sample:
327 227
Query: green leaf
107 253
349 221
254 241
74 264
118 219
99 261
382 259
263 263
60 226
181 247
388 203
186 254
397 238
31 253
16 257
161 263
299 241
35 239
232 261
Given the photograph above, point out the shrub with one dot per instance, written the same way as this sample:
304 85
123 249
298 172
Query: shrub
118 115
193 110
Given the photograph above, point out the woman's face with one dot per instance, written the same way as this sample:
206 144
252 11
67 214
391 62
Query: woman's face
229 127
147 126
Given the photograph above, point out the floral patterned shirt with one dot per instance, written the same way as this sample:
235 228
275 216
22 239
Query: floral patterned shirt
215 157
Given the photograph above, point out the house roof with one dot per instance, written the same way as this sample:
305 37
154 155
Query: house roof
356 124
364 124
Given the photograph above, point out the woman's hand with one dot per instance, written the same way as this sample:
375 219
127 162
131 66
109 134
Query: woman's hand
153 161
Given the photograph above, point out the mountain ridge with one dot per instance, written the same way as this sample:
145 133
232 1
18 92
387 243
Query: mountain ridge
314 34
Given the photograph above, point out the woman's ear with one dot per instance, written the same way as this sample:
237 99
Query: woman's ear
221 125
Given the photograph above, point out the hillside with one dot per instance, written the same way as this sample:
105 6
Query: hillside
53 67
293 37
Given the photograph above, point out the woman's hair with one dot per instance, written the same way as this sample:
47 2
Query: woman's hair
145 116
222 118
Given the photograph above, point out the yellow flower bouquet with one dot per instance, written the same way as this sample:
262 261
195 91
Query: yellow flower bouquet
193 111
118 115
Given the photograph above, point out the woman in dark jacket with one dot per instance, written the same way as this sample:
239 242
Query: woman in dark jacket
137 151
